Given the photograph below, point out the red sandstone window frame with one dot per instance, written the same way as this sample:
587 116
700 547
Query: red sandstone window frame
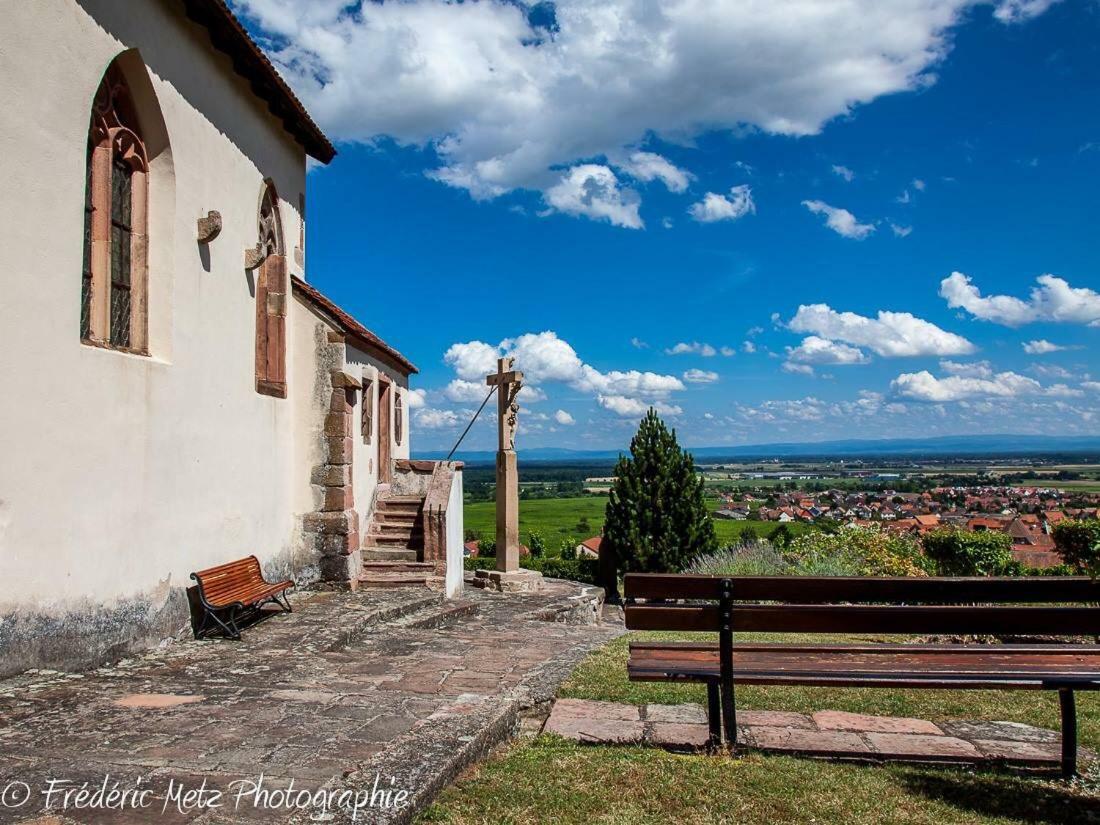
271 297
109 317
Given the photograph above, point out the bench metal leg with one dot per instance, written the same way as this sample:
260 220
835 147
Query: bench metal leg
714 715
725 663
1069 732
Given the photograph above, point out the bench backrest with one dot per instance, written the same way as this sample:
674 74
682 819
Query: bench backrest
226 583
835 604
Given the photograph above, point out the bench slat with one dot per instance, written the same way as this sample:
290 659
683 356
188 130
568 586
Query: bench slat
831 589
794 618
1017 668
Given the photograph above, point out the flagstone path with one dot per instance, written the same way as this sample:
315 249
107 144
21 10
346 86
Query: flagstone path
395 684
828 733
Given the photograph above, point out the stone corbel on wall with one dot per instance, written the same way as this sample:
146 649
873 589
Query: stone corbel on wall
435 513
209 227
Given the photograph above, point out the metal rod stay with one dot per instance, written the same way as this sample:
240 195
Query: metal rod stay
472 420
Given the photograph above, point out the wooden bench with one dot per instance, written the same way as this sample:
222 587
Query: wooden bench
231 591
1011 607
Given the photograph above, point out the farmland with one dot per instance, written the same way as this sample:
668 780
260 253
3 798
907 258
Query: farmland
557 518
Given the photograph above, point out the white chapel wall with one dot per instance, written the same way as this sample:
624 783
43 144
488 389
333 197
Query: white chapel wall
122 474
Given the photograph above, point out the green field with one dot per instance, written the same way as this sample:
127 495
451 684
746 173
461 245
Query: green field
557 518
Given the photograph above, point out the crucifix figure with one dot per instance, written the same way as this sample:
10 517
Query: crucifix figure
508 383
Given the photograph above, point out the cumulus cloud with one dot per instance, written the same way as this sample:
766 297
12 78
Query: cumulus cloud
968 369
593 190
1041 347
694 348
621 405
890 334
694 376
1015 11
564 418
798 369
923 386
727 352
545 358
417 399
431 419
841 221
638 343
648 166
503 96
714 207
815 350
899 230
748 347
1052 300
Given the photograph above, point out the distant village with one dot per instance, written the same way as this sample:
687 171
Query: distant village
1027 514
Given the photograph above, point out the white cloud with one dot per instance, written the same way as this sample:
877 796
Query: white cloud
899 230
694 376
1091 386
727 352
970 369
891 334
748 347
904 197
799 369
417 399
923 386
1052 300
694 348
621 405
714 207
564 418
503 101
840 220
544 358
843 172
1041 347
815 350
593 190
1015 11
648 166
638 343
918 184
431 419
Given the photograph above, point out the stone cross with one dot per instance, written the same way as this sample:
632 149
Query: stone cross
508 383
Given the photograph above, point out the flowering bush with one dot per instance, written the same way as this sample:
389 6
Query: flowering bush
858 551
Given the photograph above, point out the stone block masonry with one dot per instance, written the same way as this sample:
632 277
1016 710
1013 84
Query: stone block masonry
332 530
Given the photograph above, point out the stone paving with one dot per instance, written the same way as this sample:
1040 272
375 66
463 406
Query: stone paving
827 733
394 685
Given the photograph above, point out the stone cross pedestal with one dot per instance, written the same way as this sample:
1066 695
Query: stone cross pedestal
508 575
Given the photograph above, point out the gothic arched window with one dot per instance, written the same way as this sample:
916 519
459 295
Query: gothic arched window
271 294
116 209
399 418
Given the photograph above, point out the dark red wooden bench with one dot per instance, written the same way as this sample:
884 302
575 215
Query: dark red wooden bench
1012 607
232 591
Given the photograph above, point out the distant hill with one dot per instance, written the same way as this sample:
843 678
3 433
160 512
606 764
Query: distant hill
954 445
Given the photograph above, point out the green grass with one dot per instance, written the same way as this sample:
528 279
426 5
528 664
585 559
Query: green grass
557 518
549 780
603 676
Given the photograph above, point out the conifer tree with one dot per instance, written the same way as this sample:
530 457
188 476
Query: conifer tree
656 518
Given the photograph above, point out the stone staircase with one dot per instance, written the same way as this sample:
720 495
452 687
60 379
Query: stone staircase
394 544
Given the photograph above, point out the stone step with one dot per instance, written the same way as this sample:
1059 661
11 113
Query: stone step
375 553
439 616
390 540
394 528
393 579
397 566
396 517
400 503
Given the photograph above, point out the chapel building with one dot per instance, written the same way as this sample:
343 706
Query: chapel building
175 392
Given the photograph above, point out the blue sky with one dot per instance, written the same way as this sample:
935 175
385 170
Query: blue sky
754 183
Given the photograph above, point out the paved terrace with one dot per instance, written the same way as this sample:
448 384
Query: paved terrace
394 684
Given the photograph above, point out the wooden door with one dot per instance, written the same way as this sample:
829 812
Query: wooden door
385 430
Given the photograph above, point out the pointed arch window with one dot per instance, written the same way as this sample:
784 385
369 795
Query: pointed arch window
116 208
271 294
